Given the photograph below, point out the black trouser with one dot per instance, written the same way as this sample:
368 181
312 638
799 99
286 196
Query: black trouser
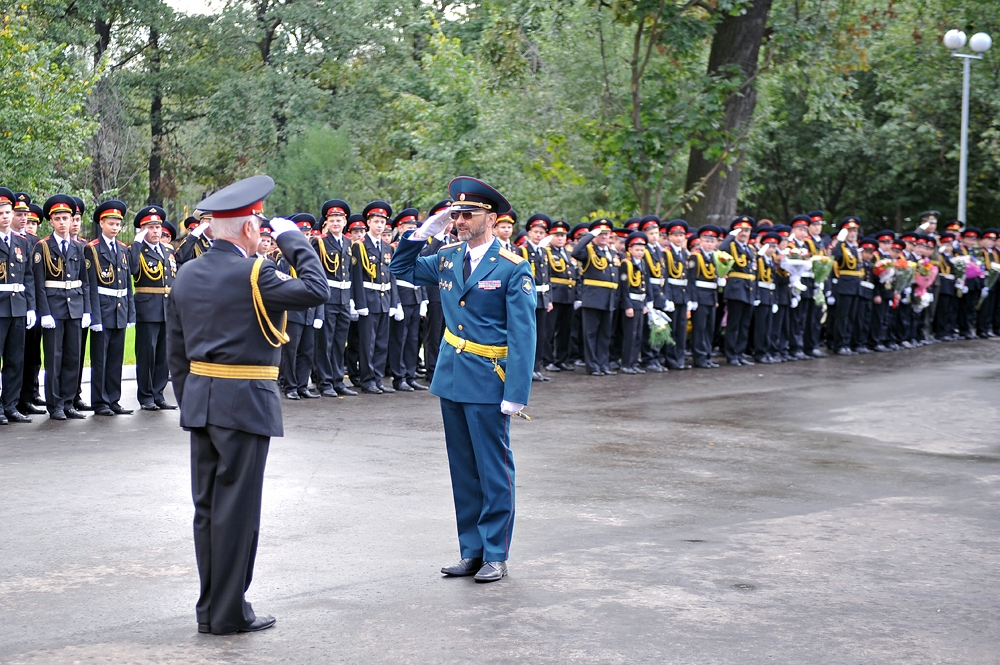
352 354
32 364
946 319
702 329
107 353
633 329
83 353
984 317
763 321
674 354
967 307
227 477
373 331
289 380
150 361
615 345
813 335
543 351
738 315
404 344
12 355
780 331
433 333
846 314
863 324
560 322
880 321
62 363
576 350
798 317
331 340
596 338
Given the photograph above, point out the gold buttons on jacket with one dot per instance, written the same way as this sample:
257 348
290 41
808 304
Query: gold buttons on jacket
461 303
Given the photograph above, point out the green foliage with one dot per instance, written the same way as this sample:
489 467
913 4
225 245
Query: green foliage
315 166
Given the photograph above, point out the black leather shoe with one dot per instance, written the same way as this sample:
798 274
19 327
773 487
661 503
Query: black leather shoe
31 409
537 376
862 350
164 406
308 394
639 370
464 568
735 362
706 365
344 391
292 395
149 407
598 373
747 362
552 367
799 355
260 623
119 411
492 571
417 386
3 420
329 392
629 370
103 411
816 353
764 360
566 367
844 351
80 405
17 417
204 628
656 368
373 390
402 386
58 414
37 400
74 414
610 372
384 388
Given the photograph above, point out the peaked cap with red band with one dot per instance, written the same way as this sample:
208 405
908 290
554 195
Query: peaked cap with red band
150 215
333 207
405 216
240 199
58 203
377 208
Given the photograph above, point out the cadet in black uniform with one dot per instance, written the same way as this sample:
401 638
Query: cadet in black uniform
740 290
153 269
946 315
535 251
224 339
562 280
404 330
62 299
17 309
703 283
651 225
297 354
990 257
599 282
634 296
375 297
334 250
765 304
112 308
675 291
31 401
434 328
848 271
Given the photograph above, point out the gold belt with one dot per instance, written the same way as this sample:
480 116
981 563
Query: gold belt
221 371
742 275
597 282
482 350
153 289
562 280
851 273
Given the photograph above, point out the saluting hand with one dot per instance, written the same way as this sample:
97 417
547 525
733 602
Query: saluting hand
433 225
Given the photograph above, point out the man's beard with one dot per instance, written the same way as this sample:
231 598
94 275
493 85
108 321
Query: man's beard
466 236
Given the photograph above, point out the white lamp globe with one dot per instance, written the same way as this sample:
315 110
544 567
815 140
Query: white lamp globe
954 39
980 42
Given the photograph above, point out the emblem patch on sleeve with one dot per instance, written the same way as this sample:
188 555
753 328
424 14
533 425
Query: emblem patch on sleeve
527 284
282 276
38 257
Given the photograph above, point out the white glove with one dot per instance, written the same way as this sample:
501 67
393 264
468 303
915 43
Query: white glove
908 290
830 300
433 225
692 306
97 327
31 319
774 309
423 309
200 229
795 302
577 304
86 320
317 323
670 306
400 314
392 312
734 232
140 236
281 225
545 241
756 303
842 236
722 281
930 297
48 322
964 288
985 292
363 311
648 307
510 408
130 325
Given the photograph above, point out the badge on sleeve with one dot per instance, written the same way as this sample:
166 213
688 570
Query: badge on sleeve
527 283
282 276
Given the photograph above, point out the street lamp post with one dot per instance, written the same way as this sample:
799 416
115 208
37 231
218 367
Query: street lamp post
980 43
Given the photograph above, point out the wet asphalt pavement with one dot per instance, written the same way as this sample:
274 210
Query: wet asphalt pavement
836 511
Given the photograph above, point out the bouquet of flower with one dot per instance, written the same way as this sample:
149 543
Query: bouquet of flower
884 271
991 278
796 268
974 270
923 301
723 263
799 253
959 264
659 329
924 275
902 277
822 266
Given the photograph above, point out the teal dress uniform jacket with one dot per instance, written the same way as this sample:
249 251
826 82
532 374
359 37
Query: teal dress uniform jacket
495 307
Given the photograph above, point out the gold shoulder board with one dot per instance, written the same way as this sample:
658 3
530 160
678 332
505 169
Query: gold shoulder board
511 256
454 244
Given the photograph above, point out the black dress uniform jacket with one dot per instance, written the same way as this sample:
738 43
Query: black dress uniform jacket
109 273
562 276
742 289
191 248
51 265
365 258
675 274
538 257
848 270
599 267
703 280
155 272
15 268
335 257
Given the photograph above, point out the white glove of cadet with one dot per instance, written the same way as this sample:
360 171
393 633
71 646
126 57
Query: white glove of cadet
97 327
830 300
31 319
756 303
48 322
85 322
400 314
510 408
433 225
281 225
670 306
795 302
130 325
692 306
423 309
363 311
392 312
200 229
577 304
774 309
985 292
964 288
842 236
317 323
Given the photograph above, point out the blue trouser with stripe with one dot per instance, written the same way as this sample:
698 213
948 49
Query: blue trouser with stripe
482 477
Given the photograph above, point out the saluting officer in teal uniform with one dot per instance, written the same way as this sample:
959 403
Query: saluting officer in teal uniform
484 367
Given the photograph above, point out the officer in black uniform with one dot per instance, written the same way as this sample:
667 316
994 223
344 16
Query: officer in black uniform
535 251
562 280
599 266
298 353
198 239
30 401
704 292
112 308
62 299
849 273
434 327
375 297
740 290
153 269
17 309
224 334
334 250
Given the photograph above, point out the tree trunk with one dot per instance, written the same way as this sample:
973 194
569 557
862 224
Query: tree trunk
737 41
156 125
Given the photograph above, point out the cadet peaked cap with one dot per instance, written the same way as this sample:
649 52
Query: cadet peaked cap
579 230
953 225
169 229
81 207
675 225
868 242
885 234
35 212
509 217
333 207
800 220
150 215
538 219
472 194
239 199
632 224
58 203
816 216
771 238
971 232
112 208
634 238
782 230
6 197
711 230
304 220
603 223
377 208
989 234
191 222
405 216
925 240
849 222
444 204
22 201
559 226
744 222
356 221
649 220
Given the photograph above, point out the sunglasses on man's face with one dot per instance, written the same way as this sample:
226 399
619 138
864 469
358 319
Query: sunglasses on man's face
465 214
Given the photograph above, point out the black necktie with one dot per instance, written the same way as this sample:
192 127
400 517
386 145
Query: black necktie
467 269
65 245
